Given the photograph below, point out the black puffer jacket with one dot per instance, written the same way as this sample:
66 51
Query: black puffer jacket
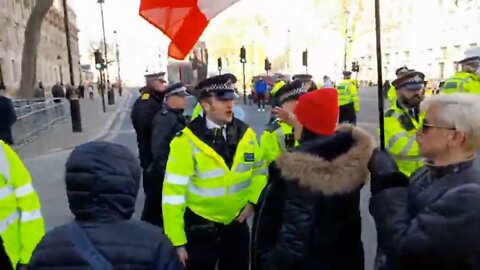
310 217
102 181
435 222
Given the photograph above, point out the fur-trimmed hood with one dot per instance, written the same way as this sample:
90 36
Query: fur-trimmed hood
333 165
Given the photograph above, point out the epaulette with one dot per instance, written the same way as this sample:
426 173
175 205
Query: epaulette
180 133
164 111
145 96
271 127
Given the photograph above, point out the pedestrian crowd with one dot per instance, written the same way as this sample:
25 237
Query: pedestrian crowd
299 185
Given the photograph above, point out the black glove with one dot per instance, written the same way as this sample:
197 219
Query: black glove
381 163
384 173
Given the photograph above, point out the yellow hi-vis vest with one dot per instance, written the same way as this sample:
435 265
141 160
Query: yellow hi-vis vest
392 94
198 178
462 82
348 93
400 139
273 140
197 111
21 222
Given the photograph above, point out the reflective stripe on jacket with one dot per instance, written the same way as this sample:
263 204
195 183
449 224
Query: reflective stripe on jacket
198 178
462 82
400 139
21 222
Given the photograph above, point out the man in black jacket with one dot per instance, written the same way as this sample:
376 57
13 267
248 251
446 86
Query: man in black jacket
7 117
143 110
102 181
166 124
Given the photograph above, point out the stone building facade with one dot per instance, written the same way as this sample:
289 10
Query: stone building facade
52 62
427 35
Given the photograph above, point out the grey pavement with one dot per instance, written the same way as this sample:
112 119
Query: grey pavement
61 137
48 170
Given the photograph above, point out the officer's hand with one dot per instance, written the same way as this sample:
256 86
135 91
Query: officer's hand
182 255
247 212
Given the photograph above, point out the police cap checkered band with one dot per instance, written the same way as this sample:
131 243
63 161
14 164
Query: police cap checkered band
228 86
411 81
291 95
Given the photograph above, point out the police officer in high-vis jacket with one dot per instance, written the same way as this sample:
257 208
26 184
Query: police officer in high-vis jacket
21 222
348 101
165 126
402 122
215 174
278 136
468 79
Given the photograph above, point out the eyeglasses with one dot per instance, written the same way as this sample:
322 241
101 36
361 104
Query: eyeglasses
425 127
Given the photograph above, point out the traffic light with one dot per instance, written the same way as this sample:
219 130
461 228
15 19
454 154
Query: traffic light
219 63
268 65
305 58
99 61
243 55
355 66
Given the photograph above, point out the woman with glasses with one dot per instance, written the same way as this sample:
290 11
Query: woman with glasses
432 220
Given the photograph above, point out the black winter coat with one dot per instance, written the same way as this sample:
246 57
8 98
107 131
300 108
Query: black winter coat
435 222
102 181
143 111
310 216
7 119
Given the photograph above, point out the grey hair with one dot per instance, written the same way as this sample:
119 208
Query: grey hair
461 111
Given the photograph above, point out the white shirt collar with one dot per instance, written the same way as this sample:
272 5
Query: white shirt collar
212 125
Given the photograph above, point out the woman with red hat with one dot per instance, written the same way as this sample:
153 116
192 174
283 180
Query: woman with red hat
310 216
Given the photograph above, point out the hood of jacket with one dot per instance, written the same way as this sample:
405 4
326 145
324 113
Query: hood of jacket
102 181
332 165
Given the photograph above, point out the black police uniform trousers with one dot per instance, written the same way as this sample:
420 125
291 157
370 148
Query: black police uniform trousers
211 244
152 208
347 114
5 263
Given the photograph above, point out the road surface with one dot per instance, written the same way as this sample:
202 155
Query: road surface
48 170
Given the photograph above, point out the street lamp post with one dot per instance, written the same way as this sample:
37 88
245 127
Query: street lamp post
59 58
120 85
110 94
346 41
80 72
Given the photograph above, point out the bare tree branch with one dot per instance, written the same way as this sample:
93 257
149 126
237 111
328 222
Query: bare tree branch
30 48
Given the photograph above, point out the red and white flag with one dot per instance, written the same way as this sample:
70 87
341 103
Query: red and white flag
183 21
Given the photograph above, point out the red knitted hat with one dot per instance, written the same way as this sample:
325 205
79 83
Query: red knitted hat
317 111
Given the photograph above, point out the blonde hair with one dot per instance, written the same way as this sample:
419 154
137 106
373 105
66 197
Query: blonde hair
461 111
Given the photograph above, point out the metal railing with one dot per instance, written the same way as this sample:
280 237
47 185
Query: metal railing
37 116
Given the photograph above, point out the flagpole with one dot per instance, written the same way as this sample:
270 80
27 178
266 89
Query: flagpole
379 72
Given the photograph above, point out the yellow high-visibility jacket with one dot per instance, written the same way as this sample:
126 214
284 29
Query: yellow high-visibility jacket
400 139
276 87
276 139
392 94
462 82
348 93
198 178
21 222
196 111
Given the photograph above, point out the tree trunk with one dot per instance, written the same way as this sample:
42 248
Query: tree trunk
30 48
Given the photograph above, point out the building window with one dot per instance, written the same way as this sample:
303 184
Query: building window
407 55
444 52
473 45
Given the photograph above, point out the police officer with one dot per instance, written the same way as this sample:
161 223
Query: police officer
215 174
392 92
165 126
22 225
468 79
402 122
278 136
143 111
348 101
306 80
